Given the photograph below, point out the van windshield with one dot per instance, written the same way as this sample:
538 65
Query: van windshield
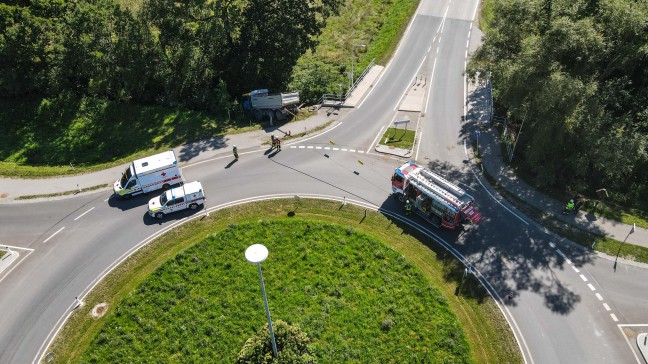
163 199
125 177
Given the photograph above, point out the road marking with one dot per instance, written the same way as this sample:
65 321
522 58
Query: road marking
607 308
78 217
293 147
583 278
361 151
376 138
344 149
591 287
352 150
318 147
575 269
561 253
51 236
327 148
310 147
493 197
418 146
301 147
568 261
336 148
107 199
600 298
552 245
614 317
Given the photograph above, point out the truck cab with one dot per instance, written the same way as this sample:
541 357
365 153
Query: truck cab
187 196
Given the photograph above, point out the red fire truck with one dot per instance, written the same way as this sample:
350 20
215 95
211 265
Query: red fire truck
434 198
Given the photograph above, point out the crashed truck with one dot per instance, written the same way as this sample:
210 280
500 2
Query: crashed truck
261 104
436 199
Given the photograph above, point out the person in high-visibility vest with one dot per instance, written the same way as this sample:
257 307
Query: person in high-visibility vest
278 141
235 151
408 207
569 207
273 140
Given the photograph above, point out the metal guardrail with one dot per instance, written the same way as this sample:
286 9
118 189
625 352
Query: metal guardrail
341 98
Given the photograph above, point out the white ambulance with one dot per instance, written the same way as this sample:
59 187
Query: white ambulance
149 174
188 196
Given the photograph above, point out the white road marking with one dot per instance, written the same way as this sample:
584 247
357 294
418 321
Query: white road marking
600 298
318 147
591 287
607 308
408 85
376 138
614 317
51 236
493 197
352 150
560 253
361 151
327 148
344 149
575 269
583 278
418 146
78 217
310 147
336 148
301 147
568 261
107 199
552 245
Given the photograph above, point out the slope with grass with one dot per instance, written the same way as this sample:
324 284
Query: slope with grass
363 288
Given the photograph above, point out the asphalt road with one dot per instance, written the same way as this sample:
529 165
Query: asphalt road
561 293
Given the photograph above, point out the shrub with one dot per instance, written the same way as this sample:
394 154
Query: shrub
292 346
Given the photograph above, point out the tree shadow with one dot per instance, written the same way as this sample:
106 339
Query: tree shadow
509 254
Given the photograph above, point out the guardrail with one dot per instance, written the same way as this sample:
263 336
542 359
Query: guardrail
333 98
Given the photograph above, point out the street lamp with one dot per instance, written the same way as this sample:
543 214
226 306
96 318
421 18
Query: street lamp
632 230
352 59
256 254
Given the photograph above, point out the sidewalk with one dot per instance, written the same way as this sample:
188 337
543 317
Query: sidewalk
494 165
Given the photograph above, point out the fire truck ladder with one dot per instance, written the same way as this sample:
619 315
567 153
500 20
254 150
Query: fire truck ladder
427 180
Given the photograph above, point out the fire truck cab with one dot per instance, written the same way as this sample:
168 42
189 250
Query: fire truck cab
436 199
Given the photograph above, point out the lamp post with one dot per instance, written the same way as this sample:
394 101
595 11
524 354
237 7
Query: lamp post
518 136
256 254
632 230
353 58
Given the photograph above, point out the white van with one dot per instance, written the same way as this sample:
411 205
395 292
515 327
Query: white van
149 174
188 196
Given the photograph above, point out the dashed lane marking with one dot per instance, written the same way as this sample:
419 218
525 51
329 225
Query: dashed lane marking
614 317
575 269
583 278
51 236
80 216
600 298
607 308
591 287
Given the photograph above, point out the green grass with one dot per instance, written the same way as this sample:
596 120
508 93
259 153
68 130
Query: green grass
485 14
44 138
345 281
398 137
548 220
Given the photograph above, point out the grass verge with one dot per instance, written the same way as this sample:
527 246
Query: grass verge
66 193
398 138
487 332
587 239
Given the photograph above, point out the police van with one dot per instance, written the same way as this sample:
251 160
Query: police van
188 196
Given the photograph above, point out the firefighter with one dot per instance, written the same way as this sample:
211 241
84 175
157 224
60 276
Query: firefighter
408 207
569 207
235 151
278 142
273 140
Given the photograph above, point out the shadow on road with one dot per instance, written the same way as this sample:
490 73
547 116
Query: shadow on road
192 150
127 204
150 220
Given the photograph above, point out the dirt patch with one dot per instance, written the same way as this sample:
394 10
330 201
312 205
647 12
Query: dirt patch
4 195
99 310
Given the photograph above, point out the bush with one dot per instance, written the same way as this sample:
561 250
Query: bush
292 346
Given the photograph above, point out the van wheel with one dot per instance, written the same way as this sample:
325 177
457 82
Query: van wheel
166 186
159 215
193 206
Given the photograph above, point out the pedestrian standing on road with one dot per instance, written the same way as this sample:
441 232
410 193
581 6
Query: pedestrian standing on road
278 142
273 140
235 151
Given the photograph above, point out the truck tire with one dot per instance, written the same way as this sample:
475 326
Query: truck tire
159 215
193 206
165 186
279 115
